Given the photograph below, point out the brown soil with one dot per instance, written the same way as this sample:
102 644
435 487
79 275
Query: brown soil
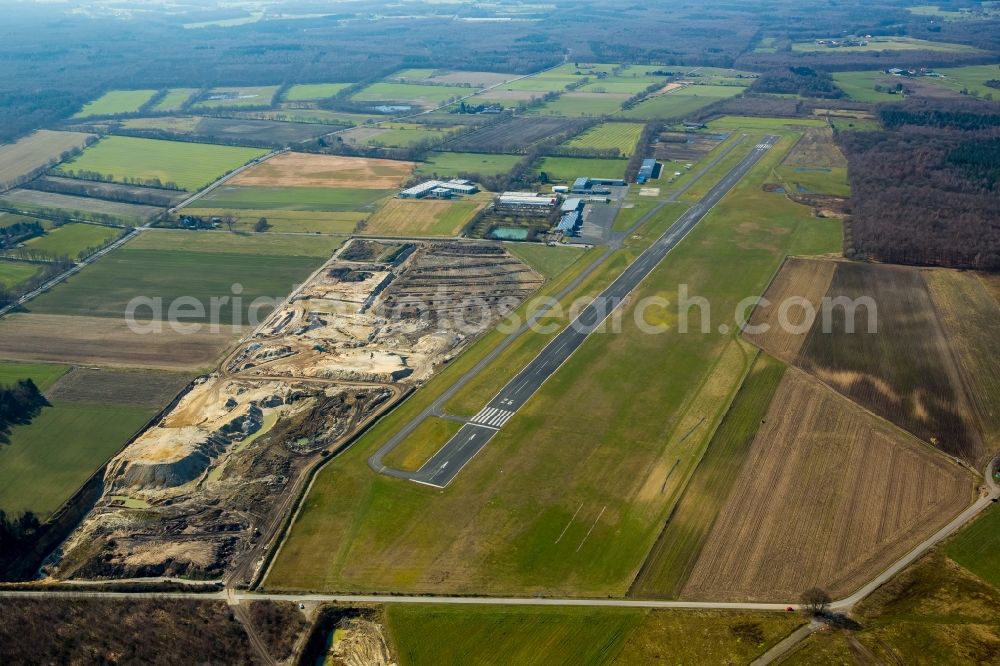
306 170
107 341
828 495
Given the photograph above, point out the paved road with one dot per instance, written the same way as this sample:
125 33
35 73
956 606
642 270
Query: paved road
445 465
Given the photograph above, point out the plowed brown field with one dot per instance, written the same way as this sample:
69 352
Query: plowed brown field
307 170
829 495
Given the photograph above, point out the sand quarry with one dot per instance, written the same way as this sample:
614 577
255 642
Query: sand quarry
205 486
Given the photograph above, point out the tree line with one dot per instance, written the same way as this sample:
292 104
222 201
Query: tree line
19 403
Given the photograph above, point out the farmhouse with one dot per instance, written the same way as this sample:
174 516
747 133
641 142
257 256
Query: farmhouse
439 188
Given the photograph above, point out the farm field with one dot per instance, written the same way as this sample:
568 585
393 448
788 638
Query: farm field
190 165
407 93
305 92
860 86
110 192
92 413
315 116
307 170
316 198
36 151
108 341
200 271
174 99
237 97
582 104
233 243
78 207
396 135
887 44
432 634
456 78
823 476
977 547
549 261
515 135
934 612
116 102
906 372
13 273
671 560
972 78
816 148
289 221
567 169
450 165
73 240
426 635
43 374
500 533
680 102
240 130
622 136
414 217
969 315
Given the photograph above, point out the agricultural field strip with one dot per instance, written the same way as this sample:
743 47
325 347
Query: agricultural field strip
443 466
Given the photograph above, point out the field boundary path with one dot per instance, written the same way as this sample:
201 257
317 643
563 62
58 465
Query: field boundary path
450 459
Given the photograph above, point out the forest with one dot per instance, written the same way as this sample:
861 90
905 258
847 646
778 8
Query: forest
925 193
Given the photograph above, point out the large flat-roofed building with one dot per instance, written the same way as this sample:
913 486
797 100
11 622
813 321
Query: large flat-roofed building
526 202
650 169
595 185
572 205
427 188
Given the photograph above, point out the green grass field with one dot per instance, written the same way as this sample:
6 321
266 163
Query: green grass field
421 444
977 547
289 221
582 105
860 86
190 165
626 217
49 459
568 169
72 240
43 374
116 102
673 557
293 198
816 180
972 79
174 99
15 272
548 261
200 265
310 91
409 93
449 165
680 102
562 519
622 136
404 135
434 634
237 97
235 243
430 635
887 44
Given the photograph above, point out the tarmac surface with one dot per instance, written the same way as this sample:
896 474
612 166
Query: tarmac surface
449 460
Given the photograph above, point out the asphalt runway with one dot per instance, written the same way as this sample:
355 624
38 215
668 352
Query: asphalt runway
445 465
